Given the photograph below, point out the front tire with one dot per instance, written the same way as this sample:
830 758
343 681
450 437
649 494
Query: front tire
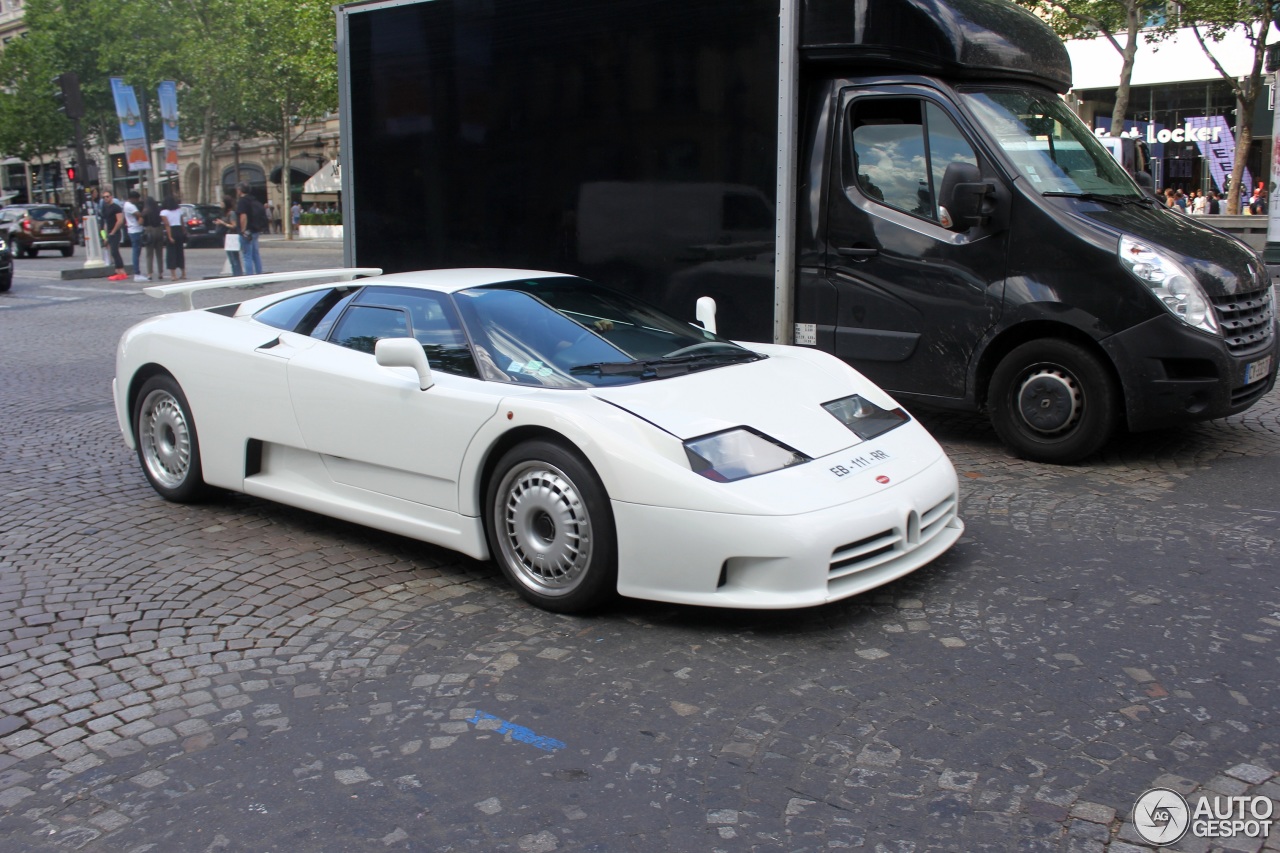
550 528
1053 401
167 443
68 251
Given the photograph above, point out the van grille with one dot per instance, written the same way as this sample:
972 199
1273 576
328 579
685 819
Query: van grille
1246 320
888 545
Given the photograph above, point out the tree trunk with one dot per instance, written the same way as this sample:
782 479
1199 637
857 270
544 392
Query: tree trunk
1126 68
206 162
286 173
1245 96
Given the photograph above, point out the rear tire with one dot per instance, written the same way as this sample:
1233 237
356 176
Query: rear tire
167 443
550 528
69 251
1053 401
32 252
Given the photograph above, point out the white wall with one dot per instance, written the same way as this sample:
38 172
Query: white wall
1095 64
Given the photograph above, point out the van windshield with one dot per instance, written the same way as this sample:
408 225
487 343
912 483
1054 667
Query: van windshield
1048 144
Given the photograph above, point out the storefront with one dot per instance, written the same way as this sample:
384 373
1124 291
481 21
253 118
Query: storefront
1179 104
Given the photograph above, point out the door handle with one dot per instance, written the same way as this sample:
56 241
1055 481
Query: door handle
857 253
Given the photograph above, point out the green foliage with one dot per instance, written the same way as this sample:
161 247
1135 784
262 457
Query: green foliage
320 219
248 62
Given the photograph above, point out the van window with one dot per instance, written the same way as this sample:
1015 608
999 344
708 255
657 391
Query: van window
1048 144
901 147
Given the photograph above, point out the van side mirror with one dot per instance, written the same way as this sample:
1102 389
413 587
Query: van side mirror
969 199
404 352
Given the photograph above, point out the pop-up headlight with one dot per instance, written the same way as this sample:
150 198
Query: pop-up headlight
1170 282
737 454
865 418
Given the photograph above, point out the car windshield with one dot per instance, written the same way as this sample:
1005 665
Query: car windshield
46 214
1049 145
569 333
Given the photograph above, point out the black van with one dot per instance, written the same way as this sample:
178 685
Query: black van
897 182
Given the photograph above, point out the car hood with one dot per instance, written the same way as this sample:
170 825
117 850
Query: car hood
780 396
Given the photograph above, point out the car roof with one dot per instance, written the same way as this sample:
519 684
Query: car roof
453 280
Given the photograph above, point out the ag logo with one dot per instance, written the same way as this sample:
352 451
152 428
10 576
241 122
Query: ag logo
1161 816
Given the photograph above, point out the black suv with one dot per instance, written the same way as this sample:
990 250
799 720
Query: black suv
32 227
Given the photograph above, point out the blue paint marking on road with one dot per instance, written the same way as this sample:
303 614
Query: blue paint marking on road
519 733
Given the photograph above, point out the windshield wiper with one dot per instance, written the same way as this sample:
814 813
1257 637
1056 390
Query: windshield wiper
1145 201
661 368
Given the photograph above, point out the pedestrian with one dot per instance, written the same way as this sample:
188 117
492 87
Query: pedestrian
252 218
153 237
1180 199
1198 203
174 256
133 225
295 215
113 222
1214 207
1170 199
231 237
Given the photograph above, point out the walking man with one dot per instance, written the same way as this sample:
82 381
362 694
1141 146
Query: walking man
253 222
113 223
133 225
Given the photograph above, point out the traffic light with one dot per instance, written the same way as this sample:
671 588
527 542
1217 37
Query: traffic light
70 101
71 171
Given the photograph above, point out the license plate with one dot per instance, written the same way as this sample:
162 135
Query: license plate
52 229
856 461
1257 371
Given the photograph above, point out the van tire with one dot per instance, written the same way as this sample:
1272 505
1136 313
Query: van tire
1053 401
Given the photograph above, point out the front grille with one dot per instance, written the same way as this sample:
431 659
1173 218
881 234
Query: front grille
1246 320
1247 395
888 545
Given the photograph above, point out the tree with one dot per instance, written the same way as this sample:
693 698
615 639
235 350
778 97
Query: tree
1210 22
268 65
1112 20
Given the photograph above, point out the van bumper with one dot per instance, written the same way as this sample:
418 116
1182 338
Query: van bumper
1174 374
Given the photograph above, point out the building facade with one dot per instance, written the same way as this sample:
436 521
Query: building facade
1178 103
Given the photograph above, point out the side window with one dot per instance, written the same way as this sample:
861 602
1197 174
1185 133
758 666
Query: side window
362 326
429 318
287 314
901 148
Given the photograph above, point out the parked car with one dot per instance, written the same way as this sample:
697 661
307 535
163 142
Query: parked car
6 265
32 227
587 442
198 220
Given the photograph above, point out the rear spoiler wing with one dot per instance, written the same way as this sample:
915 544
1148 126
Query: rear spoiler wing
187 288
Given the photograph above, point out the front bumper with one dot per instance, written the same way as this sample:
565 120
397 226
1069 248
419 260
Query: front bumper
752 561
1174 374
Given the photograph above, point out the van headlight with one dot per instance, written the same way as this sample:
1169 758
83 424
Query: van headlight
1170 282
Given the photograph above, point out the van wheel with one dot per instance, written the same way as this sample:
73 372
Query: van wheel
550 528
168 447
1053 401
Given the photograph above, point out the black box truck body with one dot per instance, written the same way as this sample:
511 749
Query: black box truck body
893 181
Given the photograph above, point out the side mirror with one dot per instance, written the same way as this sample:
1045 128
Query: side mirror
967 198
705 311
404 352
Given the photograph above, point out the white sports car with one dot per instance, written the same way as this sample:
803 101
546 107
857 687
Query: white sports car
588 443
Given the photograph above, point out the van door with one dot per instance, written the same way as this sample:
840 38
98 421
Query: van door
913 298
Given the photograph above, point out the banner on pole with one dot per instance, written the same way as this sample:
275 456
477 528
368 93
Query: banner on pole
168 92
133 133
1220 153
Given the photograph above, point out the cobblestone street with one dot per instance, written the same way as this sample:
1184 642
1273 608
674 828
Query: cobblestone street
243 676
